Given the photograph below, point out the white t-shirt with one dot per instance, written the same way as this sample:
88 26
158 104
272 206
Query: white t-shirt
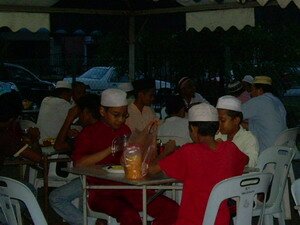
175 128
52 114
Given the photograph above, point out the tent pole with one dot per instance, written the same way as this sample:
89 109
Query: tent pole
131 47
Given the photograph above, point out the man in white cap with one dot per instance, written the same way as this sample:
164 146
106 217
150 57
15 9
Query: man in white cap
200 165
265 113
53 112
93 146
230 119
247 83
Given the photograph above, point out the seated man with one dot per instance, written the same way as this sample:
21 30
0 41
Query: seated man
87 109
140 112
201 165
265 112
176 125
230 119
53 112
93 146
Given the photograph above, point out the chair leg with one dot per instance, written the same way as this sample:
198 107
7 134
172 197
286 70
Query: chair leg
286 203
268 220
281 220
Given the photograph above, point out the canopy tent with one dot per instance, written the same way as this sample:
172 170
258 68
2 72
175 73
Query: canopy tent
35 14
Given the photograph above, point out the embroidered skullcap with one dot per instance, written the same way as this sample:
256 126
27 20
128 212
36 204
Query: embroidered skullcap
249 79
234 86
203 113
125 86
143 84
63 84
113 98
183 82
262 80
229 102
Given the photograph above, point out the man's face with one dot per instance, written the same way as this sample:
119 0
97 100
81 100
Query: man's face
227 124
256 91
78 92
84 117
114 116
189 89
148 96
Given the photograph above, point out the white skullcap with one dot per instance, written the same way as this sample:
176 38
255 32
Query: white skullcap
113 98
126 86
63 84
249 79
229 102
202 112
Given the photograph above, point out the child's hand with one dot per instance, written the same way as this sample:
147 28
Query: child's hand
170 146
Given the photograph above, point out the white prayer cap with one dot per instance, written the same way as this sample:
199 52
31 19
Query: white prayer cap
229 102
203 112
249 79
113 98
63 84
126 86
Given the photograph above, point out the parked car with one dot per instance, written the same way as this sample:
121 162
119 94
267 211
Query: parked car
101 77
29 85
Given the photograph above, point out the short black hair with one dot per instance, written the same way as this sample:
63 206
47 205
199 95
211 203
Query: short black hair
143 85
207 128
91 102
233 114
58 92
11 106
174 103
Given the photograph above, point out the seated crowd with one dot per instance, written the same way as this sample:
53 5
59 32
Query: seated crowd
198 138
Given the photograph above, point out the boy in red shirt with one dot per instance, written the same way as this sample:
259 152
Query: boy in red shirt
93 146
201 165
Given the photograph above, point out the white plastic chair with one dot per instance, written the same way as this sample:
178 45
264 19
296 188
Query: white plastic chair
276 159
295 189
243 188
10 190
288 138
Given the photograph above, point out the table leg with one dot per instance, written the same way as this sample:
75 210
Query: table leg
46 186
85 222
144 205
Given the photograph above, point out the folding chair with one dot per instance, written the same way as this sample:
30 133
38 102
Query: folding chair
277 160
295 189
243 188
11 190
288 138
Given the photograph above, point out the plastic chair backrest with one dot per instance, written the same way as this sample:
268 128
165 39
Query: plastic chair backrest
278 159
11 189
295 189
287 137
244 187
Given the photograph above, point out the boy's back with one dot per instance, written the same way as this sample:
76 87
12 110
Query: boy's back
200 169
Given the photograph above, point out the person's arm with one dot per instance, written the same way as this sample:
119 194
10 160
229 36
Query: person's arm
154 167
32 155
61 139
94 158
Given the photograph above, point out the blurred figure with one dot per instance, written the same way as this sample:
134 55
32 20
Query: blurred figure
236 89
187 90
128 88
175 125
78 90
247 83
53 111
265 113
140 111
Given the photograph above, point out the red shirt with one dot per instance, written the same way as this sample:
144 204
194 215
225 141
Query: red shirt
95 138
200 168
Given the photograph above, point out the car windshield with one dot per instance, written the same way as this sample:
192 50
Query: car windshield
95 73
